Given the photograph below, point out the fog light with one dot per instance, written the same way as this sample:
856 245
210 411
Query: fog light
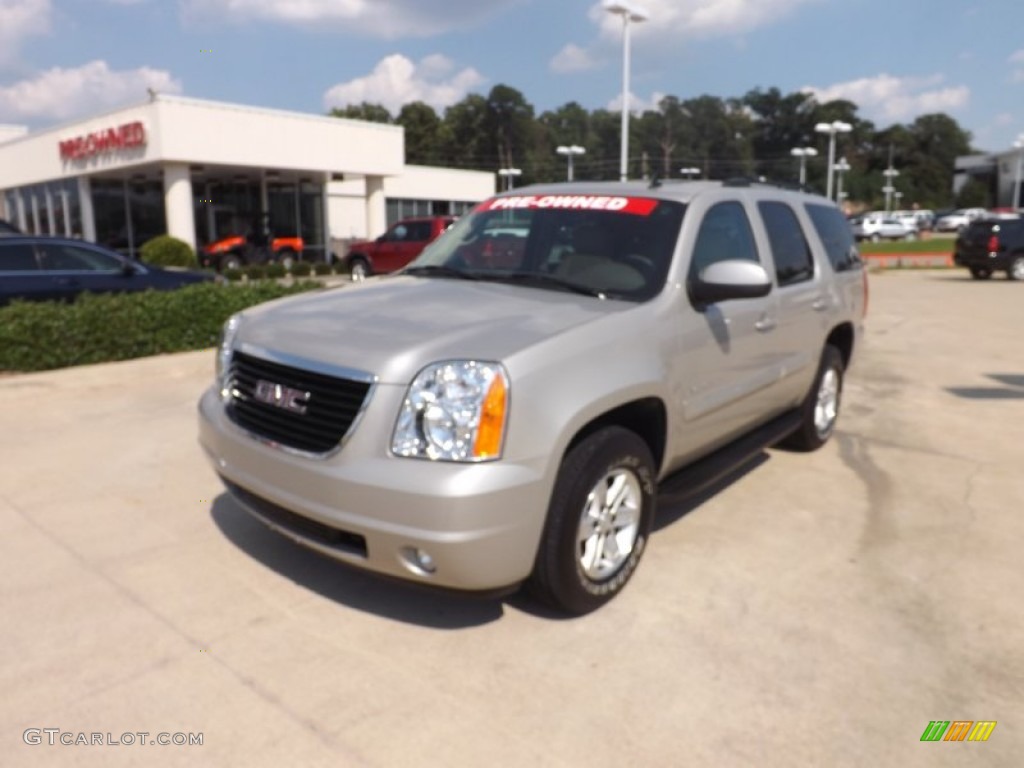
418 561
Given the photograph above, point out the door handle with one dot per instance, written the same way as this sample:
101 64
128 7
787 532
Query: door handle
765 324
819 305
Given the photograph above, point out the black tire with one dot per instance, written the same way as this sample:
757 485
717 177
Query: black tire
810 436
875 237
359 268
559 577
1016 270
980 273
233 260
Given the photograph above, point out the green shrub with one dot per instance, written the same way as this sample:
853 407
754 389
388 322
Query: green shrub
301 268
321 268
37 336
276 270
255 271
167 251
233 275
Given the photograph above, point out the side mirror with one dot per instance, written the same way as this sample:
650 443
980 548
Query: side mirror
731 279
128 269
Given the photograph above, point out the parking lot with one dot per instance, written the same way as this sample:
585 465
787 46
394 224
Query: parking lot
814 610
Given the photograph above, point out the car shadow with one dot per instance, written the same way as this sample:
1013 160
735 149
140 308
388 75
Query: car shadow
399 601
673 508
1012 389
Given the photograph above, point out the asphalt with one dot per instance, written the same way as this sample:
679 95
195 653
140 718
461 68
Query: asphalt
814 610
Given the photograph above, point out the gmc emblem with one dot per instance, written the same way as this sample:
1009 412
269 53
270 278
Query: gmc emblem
280 396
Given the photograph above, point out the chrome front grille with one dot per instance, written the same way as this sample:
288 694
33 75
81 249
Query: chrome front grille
293 407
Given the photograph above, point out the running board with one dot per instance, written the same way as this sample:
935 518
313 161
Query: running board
696 477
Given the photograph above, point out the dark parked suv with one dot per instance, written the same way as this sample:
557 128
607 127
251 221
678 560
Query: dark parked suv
45 268
992 245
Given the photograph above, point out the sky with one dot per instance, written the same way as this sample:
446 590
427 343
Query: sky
61 60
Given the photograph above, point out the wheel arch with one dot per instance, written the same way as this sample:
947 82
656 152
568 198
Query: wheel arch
647 417
841 337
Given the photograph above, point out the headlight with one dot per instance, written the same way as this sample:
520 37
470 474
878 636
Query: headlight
227 342
454 411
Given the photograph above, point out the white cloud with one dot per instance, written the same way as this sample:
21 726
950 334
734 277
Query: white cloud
387 19
397 80
60 94
1017 58
896 98
572 58
20 19
637 104
675 19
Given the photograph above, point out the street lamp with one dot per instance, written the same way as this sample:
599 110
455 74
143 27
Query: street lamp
832 129
803 153
841 167
509 174
1019 144
688 172
571 152
890 173
629 12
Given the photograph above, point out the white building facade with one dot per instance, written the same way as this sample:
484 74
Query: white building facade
202 170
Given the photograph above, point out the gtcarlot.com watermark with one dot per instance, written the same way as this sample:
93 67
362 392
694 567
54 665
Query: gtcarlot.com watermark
55 736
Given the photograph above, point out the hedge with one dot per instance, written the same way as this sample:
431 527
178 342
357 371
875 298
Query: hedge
167 251
39 336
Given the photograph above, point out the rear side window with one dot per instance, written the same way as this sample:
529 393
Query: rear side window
61 257
792 254
419 231
724 234
17 257
836 235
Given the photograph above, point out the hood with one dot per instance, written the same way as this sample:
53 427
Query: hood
394 326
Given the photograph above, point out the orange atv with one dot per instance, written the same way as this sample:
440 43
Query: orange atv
235 251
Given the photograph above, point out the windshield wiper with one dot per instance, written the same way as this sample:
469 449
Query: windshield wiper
542 279
438 270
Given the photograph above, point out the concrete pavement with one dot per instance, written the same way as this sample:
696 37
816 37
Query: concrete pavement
815 610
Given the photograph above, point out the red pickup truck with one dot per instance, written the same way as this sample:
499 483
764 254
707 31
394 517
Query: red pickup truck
402 243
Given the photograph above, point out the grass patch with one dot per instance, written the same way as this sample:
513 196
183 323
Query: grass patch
931 245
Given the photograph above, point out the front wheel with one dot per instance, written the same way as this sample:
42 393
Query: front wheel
287 259
1016 270
599 519
360 269
875 237
820 409
231 261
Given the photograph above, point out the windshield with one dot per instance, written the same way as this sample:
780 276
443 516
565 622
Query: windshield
615 247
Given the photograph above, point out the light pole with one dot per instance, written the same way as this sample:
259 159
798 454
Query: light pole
629 12
1019 144
570 152
890 173
803 153
688 172
832 129
841 167
509 174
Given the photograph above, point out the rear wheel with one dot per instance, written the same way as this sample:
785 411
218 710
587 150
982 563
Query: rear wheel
980 273
1016 270
820 410
875 237
231 261
287 258
360 269
599 518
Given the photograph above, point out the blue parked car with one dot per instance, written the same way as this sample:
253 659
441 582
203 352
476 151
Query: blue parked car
39 268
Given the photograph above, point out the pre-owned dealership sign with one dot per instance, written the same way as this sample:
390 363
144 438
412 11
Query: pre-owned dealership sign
100 142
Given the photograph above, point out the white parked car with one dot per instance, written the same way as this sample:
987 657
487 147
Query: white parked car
875 227
959 219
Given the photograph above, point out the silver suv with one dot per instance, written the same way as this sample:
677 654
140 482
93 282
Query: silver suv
510 406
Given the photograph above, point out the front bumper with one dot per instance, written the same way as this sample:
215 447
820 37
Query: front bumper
479 523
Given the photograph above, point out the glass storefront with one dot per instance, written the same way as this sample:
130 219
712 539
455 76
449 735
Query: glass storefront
401 208
46 209
128 213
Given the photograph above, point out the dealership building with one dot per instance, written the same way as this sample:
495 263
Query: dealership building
202 170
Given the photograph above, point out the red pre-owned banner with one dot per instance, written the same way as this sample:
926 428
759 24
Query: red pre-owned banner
639 206
124 136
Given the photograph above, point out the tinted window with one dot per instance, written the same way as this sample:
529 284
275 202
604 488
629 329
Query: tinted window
792 255
419 231
58 256
836 236
724 234
17 257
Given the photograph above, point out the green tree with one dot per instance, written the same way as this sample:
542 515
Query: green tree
423 136
374 113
